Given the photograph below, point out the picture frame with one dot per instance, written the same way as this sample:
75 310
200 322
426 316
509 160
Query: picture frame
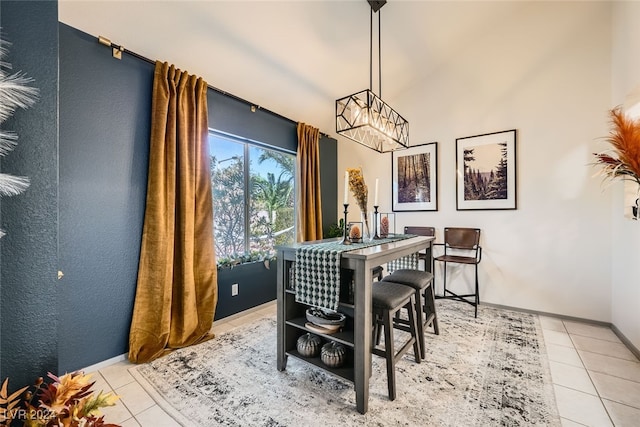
415 178
486 171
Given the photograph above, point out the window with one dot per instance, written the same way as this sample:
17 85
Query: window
253 197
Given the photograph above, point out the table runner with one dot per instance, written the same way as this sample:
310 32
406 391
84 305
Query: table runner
317 270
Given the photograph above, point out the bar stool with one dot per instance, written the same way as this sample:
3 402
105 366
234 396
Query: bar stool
387 299
422 284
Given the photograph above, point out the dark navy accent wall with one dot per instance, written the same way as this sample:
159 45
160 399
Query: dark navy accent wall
105 119
89 223
28 253
329 181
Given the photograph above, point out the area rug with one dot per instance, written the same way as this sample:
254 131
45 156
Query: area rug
488 371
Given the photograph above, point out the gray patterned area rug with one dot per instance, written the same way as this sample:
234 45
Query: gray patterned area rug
488 371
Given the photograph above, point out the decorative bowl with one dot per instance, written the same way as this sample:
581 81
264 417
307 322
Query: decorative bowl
325 317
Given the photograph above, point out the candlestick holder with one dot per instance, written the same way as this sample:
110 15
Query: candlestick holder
375 223
345 235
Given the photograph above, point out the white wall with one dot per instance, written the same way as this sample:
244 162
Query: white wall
625 255
544 69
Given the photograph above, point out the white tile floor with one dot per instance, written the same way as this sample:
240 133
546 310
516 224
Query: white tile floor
596 378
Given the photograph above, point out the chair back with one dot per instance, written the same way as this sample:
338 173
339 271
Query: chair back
420 231
462 238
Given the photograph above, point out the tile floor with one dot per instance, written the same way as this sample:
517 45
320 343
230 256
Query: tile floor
596 378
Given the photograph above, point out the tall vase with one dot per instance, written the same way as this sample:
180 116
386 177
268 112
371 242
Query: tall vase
366 230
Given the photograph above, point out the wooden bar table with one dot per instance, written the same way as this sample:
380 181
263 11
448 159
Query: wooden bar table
356 335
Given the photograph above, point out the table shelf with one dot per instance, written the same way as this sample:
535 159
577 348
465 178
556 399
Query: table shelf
346 372
344 337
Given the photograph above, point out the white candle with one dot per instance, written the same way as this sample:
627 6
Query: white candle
375 198
346 187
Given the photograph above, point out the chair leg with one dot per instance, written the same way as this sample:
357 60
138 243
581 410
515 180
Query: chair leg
390 350
444 292
430 308
477 292
413 325
420 324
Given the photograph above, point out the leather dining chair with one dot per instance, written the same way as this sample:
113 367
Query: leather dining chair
461 246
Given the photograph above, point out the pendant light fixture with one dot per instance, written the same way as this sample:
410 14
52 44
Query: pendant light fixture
364 117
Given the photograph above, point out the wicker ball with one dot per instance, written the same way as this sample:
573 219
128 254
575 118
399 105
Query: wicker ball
333 354
308 345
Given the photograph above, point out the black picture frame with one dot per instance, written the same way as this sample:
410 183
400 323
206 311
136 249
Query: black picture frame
486 171
415 178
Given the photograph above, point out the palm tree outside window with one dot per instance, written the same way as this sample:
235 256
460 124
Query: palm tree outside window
253 198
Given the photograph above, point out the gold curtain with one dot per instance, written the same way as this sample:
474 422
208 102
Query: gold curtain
309 223
176 293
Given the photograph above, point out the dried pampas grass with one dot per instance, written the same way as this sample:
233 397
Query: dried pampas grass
623 160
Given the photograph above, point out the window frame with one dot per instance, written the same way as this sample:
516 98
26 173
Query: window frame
247 144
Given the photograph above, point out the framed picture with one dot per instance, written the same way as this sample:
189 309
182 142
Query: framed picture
486 171
415 178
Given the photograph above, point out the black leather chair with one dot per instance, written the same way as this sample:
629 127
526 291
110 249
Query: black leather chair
461 246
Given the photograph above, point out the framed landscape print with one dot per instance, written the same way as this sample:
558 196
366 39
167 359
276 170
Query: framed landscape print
415 178
486 171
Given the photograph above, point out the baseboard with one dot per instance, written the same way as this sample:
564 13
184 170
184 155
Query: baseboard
544 313
245 312
105 363
626 341
632 348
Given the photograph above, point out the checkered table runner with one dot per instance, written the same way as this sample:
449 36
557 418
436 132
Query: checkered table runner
317 270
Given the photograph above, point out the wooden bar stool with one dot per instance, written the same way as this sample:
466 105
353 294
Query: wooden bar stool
422 284
387 299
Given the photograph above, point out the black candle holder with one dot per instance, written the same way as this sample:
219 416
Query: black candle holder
375 224
345 236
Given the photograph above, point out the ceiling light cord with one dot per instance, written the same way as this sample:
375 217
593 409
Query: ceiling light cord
379 12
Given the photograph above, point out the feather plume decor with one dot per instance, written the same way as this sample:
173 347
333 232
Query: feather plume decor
15 93
623 159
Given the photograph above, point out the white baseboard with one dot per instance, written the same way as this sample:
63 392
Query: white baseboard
105 363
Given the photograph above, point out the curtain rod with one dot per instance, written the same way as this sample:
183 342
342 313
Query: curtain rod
117 53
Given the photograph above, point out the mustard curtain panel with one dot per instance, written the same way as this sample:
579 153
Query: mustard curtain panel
309 217
176 293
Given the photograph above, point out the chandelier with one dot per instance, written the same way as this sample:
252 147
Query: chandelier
364 117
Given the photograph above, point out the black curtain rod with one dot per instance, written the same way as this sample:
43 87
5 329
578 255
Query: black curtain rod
117 53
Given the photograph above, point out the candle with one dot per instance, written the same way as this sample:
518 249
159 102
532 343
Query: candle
375 198
346 187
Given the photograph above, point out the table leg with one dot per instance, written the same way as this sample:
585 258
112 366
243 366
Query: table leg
281 285
362 335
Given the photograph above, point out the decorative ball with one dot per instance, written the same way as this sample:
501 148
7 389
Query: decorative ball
308 345
333 354
384 227
355 232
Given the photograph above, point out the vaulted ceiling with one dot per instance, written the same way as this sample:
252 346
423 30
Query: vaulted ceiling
295 57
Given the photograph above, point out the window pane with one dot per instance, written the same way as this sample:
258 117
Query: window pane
272 199
227 180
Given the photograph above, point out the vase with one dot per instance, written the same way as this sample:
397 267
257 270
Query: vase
366 220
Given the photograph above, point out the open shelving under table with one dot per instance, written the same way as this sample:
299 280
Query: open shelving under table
356 334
